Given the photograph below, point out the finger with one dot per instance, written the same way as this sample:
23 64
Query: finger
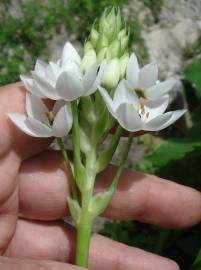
12 99
8 219
14 146
54 242
10 264
44 187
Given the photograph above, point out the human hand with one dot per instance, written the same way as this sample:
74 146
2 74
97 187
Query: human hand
34 186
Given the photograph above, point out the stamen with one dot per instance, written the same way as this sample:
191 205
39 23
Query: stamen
50 117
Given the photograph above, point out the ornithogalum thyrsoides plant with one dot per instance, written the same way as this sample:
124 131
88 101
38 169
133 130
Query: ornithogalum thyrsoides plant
103 90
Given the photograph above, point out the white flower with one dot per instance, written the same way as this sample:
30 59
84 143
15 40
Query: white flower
135 114
145 81
40 122
64 79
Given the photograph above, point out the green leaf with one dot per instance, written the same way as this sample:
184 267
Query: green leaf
168 151
175 149
193 75
197 264
75 210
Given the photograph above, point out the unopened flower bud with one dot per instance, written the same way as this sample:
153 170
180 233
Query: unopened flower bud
112 73
94 36
123 61
122 33
124 43
88 46
118 20
102 54
114 49
111 17
102 42
88 60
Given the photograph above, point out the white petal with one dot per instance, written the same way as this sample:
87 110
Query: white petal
52 72
128 117
132 71
99 78
40 67
70 53
108 100
148 76
123 95
164 120
57 106
36 108
161 88
156 107
31 86
30 126
73 67
62 122
69 87
89 78
45 87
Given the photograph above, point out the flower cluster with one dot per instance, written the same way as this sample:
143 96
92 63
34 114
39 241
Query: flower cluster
133 96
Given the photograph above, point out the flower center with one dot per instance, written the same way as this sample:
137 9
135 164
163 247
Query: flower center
142 110
50 117
140 93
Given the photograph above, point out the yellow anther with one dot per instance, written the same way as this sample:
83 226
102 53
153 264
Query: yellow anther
50 117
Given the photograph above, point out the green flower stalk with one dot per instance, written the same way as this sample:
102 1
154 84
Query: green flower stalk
108 40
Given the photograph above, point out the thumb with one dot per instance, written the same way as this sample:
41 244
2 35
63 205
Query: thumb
10 264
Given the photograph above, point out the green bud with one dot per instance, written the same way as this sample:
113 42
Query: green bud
123 64
102 20
102 42
122 33
124 43
112 73
88 60
94 36
88 46
111 17
114 49
102 54
118 20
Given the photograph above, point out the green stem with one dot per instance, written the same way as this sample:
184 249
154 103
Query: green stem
68 166
76 135
86 221
84 232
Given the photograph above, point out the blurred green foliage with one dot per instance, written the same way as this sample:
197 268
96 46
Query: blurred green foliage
155 7
197 264
25 37
192 50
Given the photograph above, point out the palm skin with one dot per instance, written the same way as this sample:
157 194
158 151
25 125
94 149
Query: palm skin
34 186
